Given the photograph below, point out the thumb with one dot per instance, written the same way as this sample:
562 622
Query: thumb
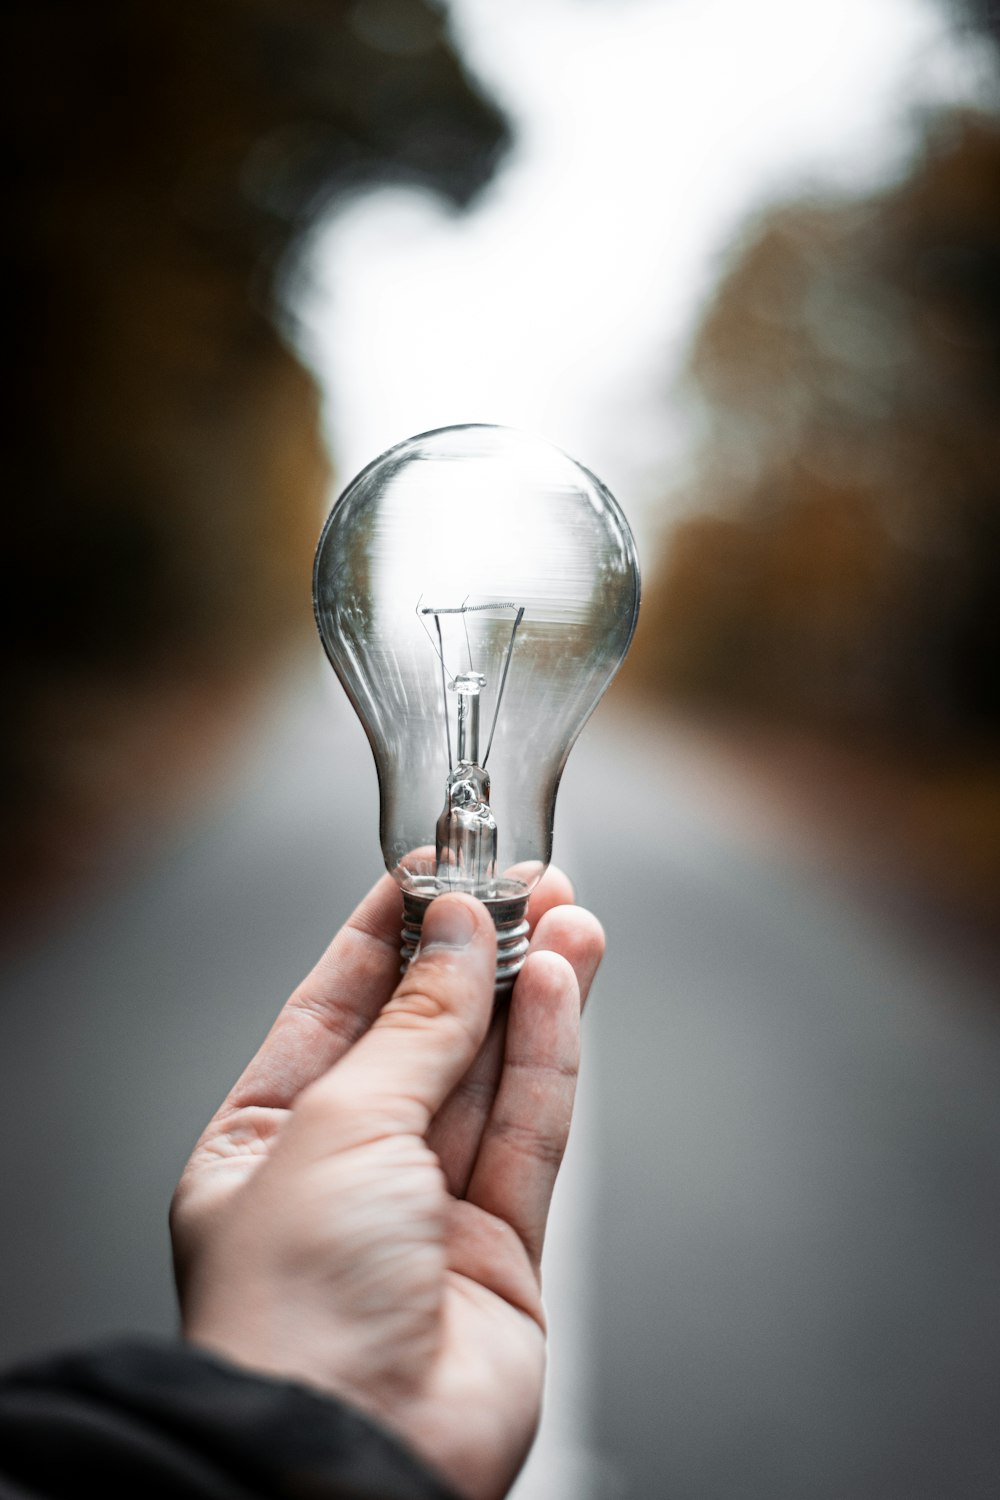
396 1077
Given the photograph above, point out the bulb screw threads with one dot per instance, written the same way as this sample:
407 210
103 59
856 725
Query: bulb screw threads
508 913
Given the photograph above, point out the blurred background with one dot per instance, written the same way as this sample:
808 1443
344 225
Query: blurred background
744 262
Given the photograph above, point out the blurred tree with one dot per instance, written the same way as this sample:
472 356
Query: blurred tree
983 14
841 572
166 461
846 570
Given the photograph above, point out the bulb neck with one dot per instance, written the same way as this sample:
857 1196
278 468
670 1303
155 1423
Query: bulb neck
508 913
466 832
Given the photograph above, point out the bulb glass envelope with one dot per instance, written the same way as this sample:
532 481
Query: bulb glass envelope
476 591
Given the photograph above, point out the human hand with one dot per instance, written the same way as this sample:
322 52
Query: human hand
366 1211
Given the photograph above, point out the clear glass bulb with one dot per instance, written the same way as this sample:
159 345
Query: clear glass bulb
476 590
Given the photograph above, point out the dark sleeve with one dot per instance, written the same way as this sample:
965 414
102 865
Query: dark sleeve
169 1422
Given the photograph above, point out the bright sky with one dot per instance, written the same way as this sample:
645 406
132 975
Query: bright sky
645 132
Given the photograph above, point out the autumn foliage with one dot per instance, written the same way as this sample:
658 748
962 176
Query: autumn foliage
842 565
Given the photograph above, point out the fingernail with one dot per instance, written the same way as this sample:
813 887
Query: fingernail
448 924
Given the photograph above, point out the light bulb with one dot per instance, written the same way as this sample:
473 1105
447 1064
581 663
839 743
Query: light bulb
476 590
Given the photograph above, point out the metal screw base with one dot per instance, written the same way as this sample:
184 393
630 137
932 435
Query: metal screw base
508 913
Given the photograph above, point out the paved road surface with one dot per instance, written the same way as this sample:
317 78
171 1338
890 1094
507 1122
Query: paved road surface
797 1237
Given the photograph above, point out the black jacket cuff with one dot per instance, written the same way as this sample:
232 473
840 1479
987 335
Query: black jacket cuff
167 1420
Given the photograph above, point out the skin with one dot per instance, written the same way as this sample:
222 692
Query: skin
366 1211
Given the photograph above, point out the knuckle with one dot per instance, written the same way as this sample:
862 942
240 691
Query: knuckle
453 1013
545 1147
476 1090
418 1002
548 1072
334 1018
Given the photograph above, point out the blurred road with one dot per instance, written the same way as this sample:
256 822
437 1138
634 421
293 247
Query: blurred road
796 1245
775 1266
